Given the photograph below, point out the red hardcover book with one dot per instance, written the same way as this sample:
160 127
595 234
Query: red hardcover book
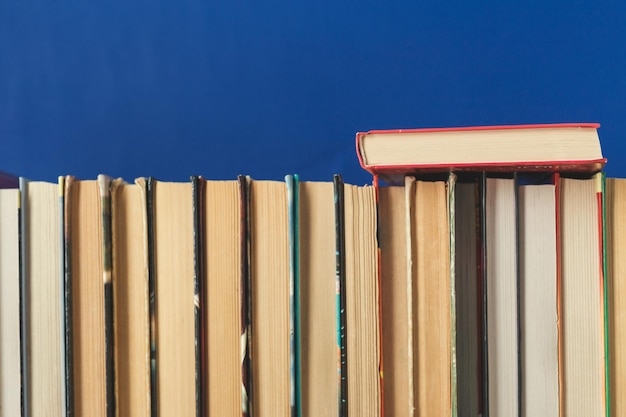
570 147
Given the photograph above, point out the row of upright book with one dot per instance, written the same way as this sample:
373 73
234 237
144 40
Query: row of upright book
482 279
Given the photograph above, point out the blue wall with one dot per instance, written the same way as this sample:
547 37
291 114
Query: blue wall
173 88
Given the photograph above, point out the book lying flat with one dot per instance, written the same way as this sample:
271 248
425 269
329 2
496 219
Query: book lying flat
542 147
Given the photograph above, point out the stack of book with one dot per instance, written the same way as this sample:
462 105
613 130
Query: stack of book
483 278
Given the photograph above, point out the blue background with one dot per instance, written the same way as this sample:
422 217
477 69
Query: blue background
217 88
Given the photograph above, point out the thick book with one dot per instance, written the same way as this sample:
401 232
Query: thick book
318 298
538 299
10 343
501 290
583 389
396 283
431 298
170 217
131 295
465 244
362 389
270 286
538 147
223 290
41 266
89 320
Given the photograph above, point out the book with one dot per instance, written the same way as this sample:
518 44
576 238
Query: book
270 286
583 388
170 215
89 320
539 317
431 299
129 246
539 147
318 300
501 288
199 299
615 256
223 292
396 282
41 266
359 257
467 297
10 340
293 206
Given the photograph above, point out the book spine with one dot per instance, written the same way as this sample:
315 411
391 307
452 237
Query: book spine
69 331
104 184
23 290
198 189
409 201
341 295
246 299
601 190
292 183
150 190
379 289
452 225
557 200
518 291
62 298
483 273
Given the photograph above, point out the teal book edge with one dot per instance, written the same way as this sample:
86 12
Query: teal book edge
293 185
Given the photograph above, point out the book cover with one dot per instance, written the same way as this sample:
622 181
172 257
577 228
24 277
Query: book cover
247 393
342 360
24 304
66 183
197 191
293 185
451 188
149 185
104 185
